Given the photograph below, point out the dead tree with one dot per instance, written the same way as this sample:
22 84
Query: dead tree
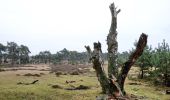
114 84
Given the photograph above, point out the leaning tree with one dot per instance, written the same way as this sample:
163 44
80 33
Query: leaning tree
113 85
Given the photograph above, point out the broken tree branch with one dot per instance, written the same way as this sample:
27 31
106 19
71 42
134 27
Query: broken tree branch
109 85
97 65
132 59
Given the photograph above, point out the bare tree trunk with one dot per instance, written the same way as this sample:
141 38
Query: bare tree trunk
109 86
114 84
12 61
97 65
142 72
112 44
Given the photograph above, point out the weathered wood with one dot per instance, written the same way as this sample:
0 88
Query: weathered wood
97 65
113 85
109 85
34 82
22 83
167 91
132 59
112 43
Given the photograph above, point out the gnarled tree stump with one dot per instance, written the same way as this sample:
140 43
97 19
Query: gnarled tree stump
113 85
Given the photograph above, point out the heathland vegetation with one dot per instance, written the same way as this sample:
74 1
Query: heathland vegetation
143 73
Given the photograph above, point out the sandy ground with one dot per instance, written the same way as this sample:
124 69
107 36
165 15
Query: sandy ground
34 69
45 68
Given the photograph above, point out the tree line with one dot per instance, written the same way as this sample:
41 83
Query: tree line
65 56
14 54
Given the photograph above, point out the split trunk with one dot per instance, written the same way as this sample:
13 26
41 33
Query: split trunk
114 84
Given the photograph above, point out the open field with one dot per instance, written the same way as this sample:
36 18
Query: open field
42 90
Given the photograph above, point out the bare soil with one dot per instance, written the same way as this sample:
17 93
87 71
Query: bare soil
71 69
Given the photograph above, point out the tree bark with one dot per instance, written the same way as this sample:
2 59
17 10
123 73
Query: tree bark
132 59
109 86
112 43
114 83
97 65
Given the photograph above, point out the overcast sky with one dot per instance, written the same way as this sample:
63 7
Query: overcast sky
57 24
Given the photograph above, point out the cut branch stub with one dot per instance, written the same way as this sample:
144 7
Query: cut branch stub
113 10
132 59
89 52
88 49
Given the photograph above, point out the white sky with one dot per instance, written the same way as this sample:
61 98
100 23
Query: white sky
57 24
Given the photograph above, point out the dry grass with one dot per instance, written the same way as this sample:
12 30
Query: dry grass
42 90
